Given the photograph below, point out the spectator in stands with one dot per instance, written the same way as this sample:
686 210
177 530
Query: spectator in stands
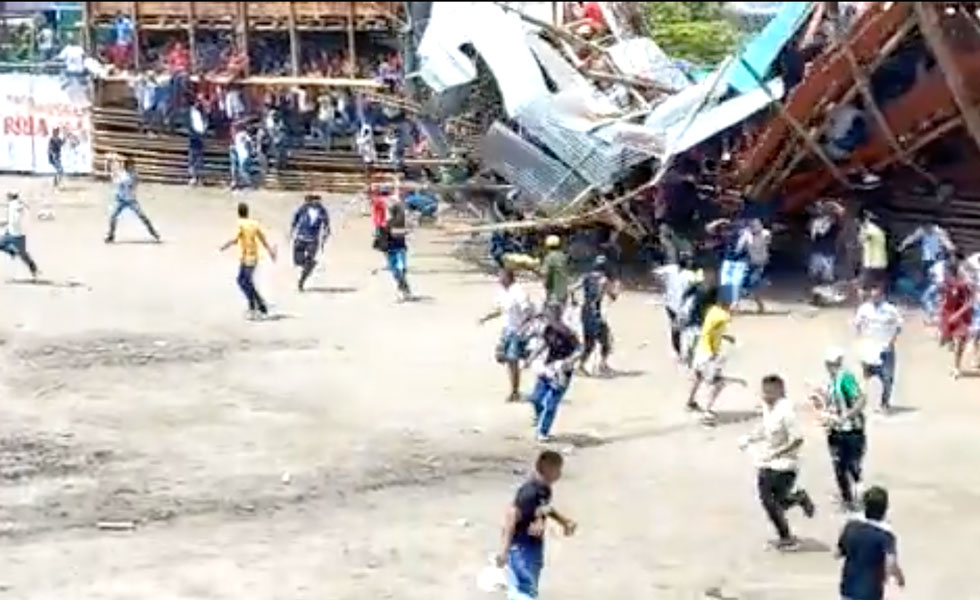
240 155
73 57
234 104
121 52
146 93
45 40
195 142
325 117
178 61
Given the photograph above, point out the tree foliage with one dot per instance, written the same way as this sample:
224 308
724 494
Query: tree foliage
694 31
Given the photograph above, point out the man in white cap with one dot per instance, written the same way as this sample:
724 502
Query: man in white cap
841 405
878 323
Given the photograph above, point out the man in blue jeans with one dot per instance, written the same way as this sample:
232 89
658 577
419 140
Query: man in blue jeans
562 346
522 543
878 323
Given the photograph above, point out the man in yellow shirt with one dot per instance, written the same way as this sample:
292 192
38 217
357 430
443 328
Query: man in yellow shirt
248 238
874 253
708 357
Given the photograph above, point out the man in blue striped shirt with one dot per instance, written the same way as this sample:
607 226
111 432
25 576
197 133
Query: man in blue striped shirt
309 230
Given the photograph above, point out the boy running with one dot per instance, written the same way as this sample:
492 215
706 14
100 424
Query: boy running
248 237
525 523
560 346
868 547
515 306
596 285
13 242
878 323
309 231
679 280
956 312
708 359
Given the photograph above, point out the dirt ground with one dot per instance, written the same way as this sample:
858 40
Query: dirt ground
360 448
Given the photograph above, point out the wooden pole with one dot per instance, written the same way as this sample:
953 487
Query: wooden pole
796 126
293 40
929 25
87 27
243 33
137 37
192 34
351 46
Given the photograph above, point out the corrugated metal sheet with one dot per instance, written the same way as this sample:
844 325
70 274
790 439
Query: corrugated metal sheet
544 180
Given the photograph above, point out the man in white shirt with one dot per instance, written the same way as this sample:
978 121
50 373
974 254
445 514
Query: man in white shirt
195 143
678 281
73 56
878 323
776 444
757 242
514 305
14 241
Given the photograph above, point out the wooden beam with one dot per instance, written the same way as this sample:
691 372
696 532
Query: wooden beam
87 27
137 36
351 45
242 32
861 81
192 34
931 31
293 40
797 127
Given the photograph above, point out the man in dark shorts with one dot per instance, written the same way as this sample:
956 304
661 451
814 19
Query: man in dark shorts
596 285
309 230
522 543
868 548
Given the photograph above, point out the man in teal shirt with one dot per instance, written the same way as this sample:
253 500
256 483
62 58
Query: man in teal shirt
842 406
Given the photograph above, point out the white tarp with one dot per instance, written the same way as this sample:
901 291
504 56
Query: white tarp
641 57
498 36
30 107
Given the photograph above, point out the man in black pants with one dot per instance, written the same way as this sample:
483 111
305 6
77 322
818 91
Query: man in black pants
778 441
841 406
310 229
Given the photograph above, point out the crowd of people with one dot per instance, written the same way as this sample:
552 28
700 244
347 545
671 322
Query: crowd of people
702 292
702 296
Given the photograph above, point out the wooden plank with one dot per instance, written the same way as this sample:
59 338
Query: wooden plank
192 34
243 33
87 27
137 37
293 40
932 32
351 41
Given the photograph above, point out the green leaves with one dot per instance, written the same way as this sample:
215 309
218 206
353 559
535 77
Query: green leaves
694 31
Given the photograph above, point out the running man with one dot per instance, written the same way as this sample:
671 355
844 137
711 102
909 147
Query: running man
934 245
525 523
13 242
957 311
596 285
124 176
679 280
515 306
878 323
560 347
841 405
709 360
309 232
869 550
874 253
394 238
777 442
758 239
248 237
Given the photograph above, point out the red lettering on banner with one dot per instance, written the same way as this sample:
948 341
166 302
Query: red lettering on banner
8 126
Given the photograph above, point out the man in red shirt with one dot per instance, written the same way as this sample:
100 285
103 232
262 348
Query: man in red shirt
957 306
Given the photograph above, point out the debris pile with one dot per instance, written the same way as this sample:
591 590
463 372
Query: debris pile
870 102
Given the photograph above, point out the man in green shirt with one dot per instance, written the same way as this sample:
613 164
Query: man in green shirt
842 406
554 269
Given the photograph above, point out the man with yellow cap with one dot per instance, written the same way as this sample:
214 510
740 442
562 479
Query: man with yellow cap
554 269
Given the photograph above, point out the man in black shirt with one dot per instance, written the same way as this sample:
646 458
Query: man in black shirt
522 543
868 548
561 345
